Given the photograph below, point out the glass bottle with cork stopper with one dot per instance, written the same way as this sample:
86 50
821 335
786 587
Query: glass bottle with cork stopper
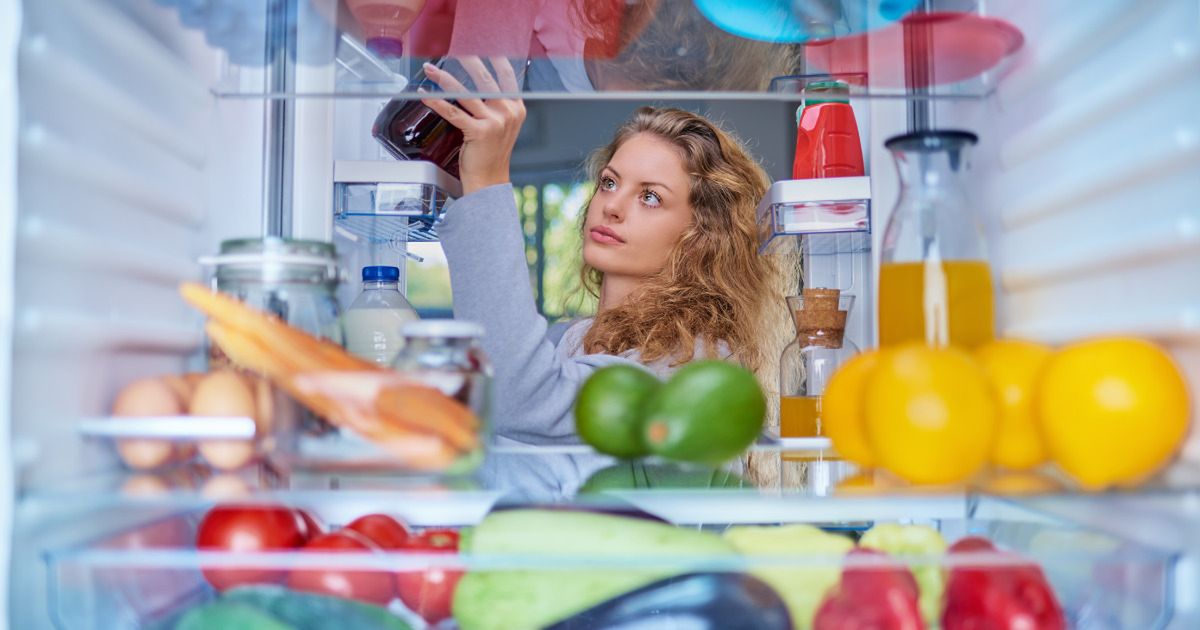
806 365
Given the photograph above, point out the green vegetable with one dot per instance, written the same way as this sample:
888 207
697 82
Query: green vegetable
638 475
225 616
309 611
610 408
515 599
802 587
903 540
708 413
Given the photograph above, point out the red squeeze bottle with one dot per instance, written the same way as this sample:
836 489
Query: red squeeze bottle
827 143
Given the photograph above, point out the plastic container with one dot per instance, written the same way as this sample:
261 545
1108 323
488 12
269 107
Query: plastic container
148 574
806 365
935 283
373 321
827 140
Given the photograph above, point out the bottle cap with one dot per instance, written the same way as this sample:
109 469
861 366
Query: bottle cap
386 46
380 274
830 91
452 328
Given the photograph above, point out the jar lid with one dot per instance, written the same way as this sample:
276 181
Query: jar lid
242 251
452 328
931 140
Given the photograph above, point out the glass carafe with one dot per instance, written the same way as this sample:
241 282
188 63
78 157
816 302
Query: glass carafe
806 365
935 284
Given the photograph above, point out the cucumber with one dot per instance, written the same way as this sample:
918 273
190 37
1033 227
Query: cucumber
222 615
305 611
532 598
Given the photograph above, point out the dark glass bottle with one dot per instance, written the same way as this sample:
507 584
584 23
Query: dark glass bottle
409 130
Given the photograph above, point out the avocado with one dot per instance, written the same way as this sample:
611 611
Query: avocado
609 409
708 413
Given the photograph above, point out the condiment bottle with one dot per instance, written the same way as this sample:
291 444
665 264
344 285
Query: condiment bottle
806 365
827 141
935 284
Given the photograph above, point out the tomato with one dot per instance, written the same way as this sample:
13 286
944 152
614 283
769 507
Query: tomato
248 528
312 526
373 587
429 593
382 530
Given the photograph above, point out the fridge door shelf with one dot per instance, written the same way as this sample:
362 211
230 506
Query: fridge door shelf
150 572
389 202
797 207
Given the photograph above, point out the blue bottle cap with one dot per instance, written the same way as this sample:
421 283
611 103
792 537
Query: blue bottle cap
381 274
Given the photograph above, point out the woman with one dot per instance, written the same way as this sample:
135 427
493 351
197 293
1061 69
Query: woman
670 250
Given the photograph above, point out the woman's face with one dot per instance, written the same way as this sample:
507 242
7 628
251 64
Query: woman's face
640 209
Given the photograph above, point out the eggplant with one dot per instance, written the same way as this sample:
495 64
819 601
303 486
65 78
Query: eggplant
694 600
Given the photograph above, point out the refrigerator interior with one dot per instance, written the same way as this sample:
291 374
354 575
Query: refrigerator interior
136 147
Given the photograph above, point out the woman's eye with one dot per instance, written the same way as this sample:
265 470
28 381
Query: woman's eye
651 199
607 183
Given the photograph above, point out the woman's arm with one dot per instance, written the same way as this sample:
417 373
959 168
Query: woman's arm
533 388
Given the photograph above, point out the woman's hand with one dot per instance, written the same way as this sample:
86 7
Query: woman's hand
489 127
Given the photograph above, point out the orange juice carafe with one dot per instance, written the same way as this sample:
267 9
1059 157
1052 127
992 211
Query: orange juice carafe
935 284
807 363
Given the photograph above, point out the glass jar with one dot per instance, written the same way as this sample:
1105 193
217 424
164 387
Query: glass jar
935 284
296 281
807 363
293 279
446 354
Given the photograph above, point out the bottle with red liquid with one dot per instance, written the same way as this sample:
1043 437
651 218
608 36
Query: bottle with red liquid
409 130
827 142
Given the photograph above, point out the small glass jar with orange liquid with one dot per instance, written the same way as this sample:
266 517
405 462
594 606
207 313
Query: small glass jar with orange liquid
806 365
935 284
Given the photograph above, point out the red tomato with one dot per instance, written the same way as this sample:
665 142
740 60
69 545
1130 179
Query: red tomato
373 587
382 530
312 526
429 593
248 528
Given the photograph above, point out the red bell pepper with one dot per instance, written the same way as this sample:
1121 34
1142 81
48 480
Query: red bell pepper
1012 595
871 598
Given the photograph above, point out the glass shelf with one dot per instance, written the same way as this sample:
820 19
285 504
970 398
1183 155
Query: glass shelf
387 203
675 49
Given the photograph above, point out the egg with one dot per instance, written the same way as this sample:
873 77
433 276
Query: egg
142 398
225 394
224 487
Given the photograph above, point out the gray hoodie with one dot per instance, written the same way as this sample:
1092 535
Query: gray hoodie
538 368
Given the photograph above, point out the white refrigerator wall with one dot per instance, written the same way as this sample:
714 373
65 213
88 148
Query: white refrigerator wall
127 169
1088 169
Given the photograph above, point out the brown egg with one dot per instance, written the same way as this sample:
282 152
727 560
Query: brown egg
141 398
224 487
225 394
264 395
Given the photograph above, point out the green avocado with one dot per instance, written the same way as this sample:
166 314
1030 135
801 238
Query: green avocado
708 413
609 409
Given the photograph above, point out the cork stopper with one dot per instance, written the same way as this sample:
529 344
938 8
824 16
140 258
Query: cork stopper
819 320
